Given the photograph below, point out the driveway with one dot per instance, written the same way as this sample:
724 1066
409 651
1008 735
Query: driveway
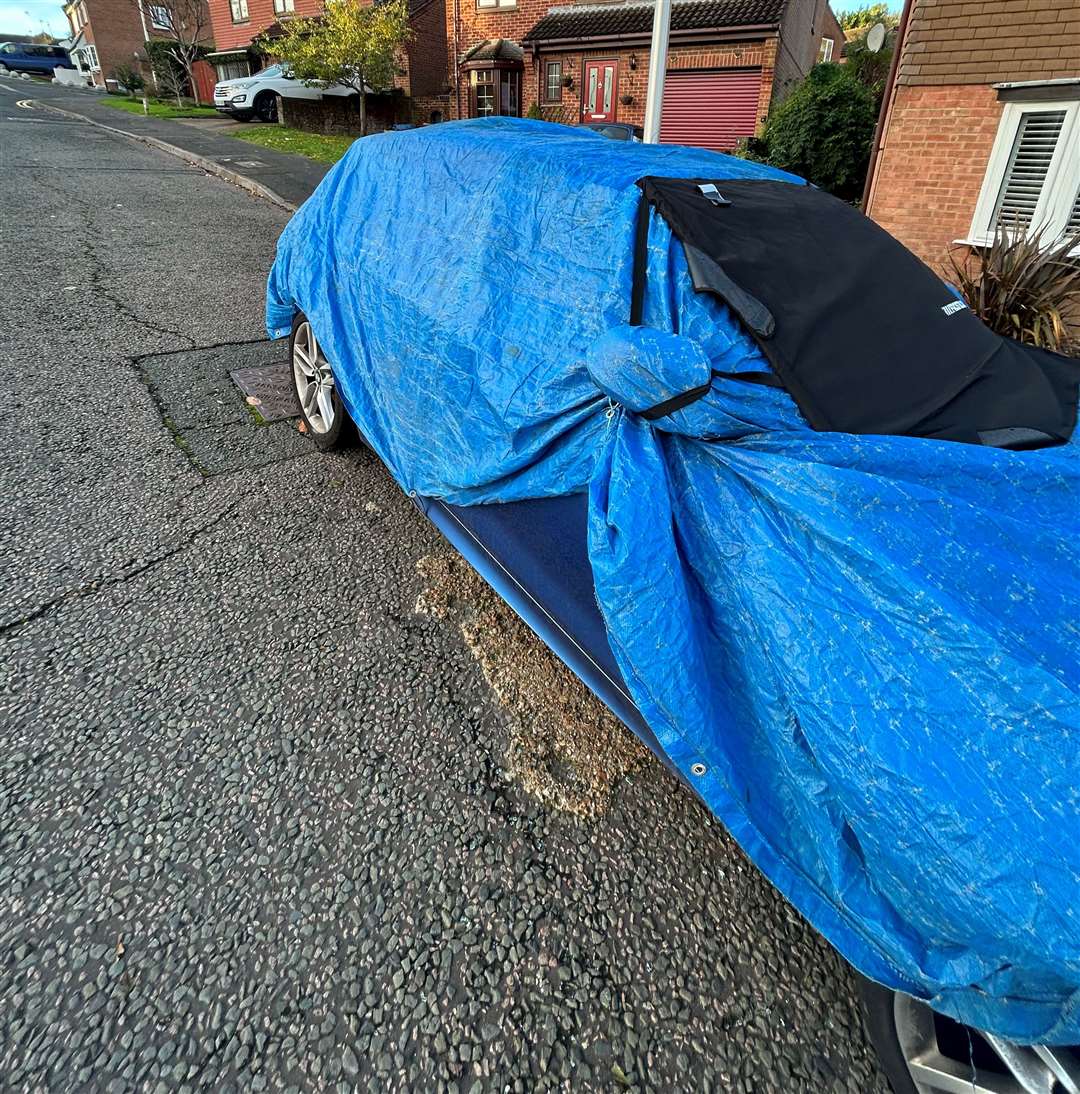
223 124
263 824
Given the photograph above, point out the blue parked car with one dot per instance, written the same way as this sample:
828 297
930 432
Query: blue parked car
38 60
802 521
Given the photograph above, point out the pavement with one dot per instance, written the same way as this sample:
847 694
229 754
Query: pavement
280 176
259 824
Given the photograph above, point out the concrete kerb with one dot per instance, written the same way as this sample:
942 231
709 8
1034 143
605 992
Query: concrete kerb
193 158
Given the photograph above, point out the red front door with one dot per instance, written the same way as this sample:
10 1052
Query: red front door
598 92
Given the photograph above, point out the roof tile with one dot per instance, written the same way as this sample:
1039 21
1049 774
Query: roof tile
609 20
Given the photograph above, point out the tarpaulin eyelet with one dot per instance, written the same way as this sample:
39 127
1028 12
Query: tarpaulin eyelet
697 769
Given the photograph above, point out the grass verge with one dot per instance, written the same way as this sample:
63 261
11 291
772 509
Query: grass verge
160 109
282 138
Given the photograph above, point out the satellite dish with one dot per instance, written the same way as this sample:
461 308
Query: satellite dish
875 37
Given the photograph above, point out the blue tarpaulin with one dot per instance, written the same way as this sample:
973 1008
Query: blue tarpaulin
860 650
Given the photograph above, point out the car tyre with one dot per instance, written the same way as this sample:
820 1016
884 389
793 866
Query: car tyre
325 418
879 1015
922 1052
266 106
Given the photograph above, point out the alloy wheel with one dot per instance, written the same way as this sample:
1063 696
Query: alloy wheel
314 380
944 1057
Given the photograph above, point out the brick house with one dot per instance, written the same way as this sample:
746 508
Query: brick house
237 23
983 124
729 61
106 34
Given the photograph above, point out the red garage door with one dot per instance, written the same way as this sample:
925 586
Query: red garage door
710 109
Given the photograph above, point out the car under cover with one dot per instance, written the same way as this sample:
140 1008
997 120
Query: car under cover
860 648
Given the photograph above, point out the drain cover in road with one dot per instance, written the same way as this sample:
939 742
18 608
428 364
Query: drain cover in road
220 403
269 389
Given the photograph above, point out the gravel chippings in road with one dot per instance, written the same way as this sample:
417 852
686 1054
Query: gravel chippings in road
257 830
566 747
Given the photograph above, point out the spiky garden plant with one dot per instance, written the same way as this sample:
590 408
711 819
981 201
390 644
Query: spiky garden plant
1024 289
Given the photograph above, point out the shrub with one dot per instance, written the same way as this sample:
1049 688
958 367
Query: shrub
351 43
129 79
752 148
168 63
823 130
534 111
1023 289
871 69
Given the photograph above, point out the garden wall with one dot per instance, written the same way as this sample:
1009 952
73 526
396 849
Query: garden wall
341 114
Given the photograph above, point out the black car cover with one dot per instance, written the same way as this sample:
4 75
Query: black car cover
864 336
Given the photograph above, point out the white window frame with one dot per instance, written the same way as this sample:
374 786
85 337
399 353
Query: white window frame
284 7
92 57
1062 177
159 17
238 9
496 5
825 51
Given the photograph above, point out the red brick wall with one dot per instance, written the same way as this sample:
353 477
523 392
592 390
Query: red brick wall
632 81
230 35
770 50
427 52
931 168
474 26
479 25
116 31
114 27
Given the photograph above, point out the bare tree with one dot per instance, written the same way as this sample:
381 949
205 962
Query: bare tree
170 79
177 32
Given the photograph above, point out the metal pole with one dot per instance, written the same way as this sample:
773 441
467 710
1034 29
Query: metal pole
654 92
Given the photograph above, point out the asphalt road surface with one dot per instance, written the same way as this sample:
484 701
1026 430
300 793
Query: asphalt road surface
258 825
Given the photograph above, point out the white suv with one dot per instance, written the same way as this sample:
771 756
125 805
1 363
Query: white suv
255 96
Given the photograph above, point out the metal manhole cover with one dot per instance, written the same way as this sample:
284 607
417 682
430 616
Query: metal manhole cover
269 389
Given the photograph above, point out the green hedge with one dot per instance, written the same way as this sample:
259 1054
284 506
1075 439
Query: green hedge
823 130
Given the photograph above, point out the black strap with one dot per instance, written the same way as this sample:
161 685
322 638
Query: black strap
676 402
641 258
765 379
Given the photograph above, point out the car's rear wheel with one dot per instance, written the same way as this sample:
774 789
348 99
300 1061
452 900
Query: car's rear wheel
266 106
324 414
923 1052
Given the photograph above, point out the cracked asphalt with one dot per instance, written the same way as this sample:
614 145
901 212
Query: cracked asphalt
257 827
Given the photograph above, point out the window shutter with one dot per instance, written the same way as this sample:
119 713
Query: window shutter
1072 225
1033 150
